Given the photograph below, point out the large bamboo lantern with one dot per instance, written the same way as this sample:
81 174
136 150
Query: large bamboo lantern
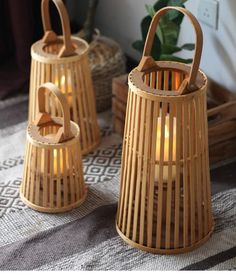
64 62
165 194
53 175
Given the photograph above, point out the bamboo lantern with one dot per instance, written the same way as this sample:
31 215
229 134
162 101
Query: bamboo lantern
53 175
64 62
165 195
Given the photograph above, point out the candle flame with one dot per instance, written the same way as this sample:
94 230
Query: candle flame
166 131
65 87
63 80
166 148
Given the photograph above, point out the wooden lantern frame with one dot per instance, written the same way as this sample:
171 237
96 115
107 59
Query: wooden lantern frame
63 60
165 195
53 174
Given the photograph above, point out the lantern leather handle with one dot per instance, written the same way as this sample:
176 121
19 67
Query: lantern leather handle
49 35
64 133
147 62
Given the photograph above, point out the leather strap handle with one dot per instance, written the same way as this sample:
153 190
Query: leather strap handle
64 133
49 35
147 62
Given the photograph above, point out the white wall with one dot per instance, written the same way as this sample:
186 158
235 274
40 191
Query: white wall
219 53
121 19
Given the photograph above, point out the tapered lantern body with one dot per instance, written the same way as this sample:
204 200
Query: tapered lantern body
53 175
64 62
165 195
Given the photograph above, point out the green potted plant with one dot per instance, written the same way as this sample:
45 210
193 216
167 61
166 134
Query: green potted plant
167 34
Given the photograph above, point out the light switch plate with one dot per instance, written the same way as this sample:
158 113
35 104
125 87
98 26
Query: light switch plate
208 12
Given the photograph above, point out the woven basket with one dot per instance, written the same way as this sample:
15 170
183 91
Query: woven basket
106 62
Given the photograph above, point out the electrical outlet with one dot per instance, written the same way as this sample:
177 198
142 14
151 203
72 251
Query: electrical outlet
208 11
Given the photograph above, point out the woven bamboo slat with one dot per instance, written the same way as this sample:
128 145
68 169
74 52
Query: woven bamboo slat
64 62
165 197
53 174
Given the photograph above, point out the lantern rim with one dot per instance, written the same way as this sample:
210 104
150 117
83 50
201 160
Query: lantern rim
38 53
37 139
137 84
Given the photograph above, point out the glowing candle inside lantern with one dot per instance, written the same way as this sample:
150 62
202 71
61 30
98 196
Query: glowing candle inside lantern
56 165
60 168
66 88
166 150
57 168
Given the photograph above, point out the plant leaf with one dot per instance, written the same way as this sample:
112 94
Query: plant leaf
176 16
160 4
176 2
169 31
179 19
156 48
150 10
174 58
168 49
188 46
160 34
145 24
138 45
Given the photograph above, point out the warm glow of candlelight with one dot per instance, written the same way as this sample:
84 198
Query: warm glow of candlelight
65 89
166 149
57 168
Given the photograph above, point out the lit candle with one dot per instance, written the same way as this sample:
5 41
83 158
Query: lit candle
66 88
166 149
58 168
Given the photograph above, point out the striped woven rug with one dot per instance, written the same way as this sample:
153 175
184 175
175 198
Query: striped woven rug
85 238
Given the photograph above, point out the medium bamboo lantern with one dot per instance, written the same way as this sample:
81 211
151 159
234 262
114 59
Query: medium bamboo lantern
165 195
64 62
53 175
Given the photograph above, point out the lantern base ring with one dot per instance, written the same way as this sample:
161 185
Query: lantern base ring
54 209
165 251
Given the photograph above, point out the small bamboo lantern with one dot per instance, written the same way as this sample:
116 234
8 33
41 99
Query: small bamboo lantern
53 175
64 62
165 198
